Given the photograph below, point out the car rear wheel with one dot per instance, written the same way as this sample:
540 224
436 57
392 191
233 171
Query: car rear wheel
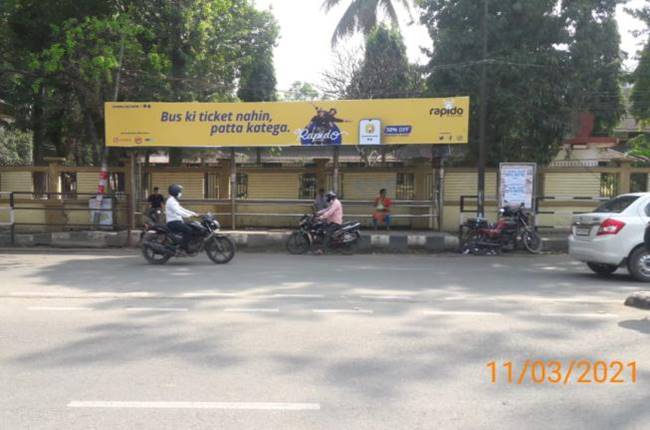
639 265
602 269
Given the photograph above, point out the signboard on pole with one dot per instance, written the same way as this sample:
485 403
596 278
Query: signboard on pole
517 184
337 122
370 132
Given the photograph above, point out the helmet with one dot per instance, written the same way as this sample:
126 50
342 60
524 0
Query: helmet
175 190
331 195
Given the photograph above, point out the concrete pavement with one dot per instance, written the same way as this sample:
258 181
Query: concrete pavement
271 341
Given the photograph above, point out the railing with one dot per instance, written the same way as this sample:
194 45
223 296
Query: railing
430 214
58 209
539 209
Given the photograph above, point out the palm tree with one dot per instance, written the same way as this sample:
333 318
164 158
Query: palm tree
361 15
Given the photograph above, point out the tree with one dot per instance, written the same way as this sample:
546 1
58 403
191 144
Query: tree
257 82
640 97
15 147
361 15
594 48
302 91
337 80
385 71
527 114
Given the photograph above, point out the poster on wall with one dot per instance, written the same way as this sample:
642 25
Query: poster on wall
517 184
328 122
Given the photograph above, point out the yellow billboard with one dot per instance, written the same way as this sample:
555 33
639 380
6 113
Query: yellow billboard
341 122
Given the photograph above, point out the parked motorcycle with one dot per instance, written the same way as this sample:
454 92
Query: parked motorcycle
159 244
311 236
513 228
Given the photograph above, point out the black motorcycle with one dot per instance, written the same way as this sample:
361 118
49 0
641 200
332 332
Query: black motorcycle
513 227
312 232
159 244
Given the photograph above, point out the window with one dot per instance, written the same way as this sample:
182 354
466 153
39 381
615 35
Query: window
210 186
608 184
405 189
39 181
242 186
638 182
307 186
69 185
616 205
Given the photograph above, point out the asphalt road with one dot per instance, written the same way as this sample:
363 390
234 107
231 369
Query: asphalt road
104 341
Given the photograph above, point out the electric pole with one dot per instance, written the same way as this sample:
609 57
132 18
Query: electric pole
482 116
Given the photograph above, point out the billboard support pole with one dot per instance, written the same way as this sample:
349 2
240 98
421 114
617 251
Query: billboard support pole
233 188
335 174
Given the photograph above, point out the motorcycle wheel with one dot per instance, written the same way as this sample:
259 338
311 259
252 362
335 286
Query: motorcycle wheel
298 243
152 256
532 241
220 249
350 247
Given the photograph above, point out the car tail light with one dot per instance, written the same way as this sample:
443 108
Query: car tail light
610 226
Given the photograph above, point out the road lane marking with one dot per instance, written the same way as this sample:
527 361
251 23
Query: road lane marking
395 298
342 311
463 313
252 310
298 296
59 308
576 315
259 406
153 309
208 294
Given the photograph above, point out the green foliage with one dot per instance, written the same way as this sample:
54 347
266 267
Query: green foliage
534 83
640 96
385 71
302 91
640 146
361 15
59 60
595 74
15 147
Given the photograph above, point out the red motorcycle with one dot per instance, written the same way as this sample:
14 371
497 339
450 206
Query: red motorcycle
513 227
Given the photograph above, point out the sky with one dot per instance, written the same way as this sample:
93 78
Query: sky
304 49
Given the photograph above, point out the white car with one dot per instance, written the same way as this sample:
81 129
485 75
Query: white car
612 236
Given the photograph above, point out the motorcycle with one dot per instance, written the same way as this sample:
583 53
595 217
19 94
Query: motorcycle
153 217
159 244
512 228
312 232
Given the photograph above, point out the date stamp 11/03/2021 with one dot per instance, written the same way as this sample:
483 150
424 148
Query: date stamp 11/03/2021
555 372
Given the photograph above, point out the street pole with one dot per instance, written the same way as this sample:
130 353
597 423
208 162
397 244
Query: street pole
482 117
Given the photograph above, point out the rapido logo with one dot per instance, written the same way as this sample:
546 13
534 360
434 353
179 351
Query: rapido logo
449 109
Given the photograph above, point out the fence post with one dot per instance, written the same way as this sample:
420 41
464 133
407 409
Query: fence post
624 178
53 217
12 219
335 173
233 187
131 190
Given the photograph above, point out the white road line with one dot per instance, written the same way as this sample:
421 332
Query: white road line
208 294
397 298
253 310
342 311
157 309
59 308
575 315
298 296
463 313
260 406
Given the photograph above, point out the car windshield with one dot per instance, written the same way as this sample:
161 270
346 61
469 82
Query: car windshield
617 205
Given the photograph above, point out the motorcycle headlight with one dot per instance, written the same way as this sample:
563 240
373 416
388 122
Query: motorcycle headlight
216 224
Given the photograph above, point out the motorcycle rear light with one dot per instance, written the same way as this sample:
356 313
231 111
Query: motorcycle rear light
610 226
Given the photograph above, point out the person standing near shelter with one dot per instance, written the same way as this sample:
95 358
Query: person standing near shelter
320 202
382 210
156 205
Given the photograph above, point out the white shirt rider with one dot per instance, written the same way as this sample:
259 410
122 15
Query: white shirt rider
175 212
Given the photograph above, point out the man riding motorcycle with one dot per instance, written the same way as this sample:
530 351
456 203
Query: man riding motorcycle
333 215
175 214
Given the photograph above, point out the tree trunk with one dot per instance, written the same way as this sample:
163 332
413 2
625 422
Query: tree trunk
38 140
